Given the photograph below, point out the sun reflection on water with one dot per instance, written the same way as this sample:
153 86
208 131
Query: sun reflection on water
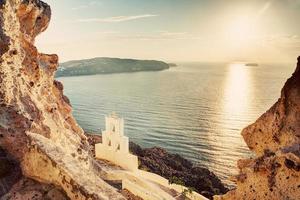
237 90
235 103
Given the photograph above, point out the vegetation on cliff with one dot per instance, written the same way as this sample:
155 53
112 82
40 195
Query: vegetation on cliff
108 66
174 166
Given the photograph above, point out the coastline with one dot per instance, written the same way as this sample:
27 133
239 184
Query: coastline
105 65
110 73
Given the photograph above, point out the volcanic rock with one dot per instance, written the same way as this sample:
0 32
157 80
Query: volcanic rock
36 124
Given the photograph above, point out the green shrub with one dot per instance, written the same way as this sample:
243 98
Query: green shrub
179 181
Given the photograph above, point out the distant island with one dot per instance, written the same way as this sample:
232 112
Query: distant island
104 65
172 65
251 64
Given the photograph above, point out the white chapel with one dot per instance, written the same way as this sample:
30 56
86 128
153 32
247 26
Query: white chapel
115 145
147 185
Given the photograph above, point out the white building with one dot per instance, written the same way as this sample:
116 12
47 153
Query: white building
148 186
115 146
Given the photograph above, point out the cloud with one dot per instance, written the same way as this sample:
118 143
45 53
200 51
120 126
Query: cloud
287 42
117 18
157 35
266 7
108 32
167 33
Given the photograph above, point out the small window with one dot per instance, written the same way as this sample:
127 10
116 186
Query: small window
114 129
118 148
109 143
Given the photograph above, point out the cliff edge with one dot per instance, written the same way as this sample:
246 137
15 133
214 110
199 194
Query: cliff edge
275 139
36 124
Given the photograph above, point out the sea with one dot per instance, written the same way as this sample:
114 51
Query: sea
196 110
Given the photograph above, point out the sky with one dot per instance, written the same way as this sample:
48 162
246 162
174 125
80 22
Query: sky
174 30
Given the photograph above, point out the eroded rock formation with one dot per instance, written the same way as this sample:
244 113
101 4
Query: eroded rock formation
29 189
36 124
275 139
10 172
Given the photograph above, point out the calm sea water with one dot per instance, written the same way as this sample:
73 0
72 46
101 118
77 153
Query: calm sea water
196 110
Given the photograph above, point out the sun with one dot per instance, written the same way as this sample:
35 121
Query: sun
242 30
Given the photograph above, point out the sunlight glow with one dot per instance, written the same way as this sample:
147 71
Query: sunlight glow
220 31
236 101
236 90
242 30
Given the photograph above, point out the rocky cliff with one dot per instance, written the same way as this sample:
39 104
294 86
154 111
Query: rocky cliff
36 124
176 168
275 139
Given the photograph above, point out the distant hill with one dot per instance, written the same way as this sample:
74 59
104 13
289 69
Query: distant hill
172 65
104 65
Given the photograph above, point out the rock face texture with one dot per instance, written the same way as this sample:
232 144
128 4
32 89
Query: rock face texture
36 124
30 189
14 186
275 139
10 172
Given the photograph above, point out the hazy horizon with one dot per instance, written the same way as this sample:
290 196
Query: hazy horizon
243 62
174 30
